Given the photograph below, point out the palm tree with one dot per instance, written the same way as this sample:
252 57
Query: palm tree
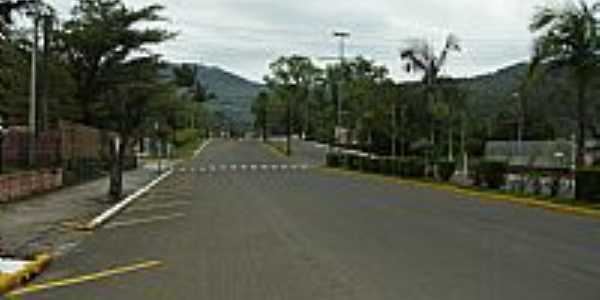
421 58
569 40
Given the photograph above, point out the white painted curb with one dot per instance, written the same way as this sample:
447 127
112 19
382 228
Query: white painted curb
111 212
201 148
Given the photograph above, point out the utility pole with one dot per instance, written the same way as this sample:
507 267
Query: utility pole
342 36
44 86
33 91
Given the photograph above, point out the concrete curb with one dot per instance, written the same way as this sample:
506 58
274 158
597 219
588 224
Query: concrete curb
11 281
483 195
113 211
201 148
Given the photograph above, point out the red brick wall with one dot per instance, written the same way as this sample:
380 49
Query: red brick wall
19 185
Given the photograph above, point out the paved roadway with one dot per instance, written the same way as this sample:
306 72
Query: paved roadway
310 234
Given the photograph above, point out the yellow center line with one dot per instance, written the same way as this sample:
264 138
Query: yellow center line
85 278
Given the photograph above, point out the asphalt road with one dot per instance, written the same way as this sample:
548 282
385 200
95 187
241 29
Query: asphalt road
309 234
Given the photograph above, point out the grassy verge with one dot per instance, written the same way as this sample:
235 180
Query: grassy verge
279 147
569 206
186 142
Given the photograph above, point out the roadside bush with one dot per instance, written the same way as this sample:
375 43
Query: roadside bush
333 160
369 165
493 173
587 185
353 162
446 170
412 167
388 166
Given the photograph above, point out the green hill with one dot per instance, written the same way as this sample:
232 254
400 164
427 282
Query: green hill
234 95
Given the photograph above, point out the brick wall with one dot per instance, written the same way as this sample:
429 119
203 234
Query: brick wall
20 185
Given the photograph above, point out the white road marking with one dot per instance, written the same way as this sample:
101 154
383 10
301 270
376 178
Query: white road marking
203 170
304 167
274 167
223 167
182 170
284 167
254 167
294 167
264 167
233 167
212 168
244 167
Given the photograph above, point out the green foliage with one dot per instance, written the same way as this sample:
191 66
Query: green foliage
446 169
388 166
98 40
334 160
570 40
411 167
588 185
492 173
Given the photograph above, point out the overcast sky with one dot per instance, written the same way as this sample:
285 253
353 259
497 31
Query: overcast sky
243 36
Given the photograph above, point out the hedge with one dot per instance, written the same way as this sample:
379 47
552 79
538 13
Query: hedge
446 170
492 173
413 167
587 185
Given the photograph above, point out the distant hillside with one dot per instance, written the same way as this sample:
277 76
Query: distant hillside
550 101
234 94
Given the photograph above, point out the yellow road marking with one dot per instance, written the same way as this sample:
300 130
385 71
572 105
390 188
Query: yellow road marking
85 278
144 221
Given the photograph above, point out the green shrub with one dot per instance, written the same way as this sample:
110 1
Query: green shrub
412 167
446 170
493 173
334 160
388 166
353 162
587 185
372 165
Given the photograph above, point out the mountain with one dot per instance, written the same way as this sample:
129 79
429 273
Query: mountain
234 94
550 100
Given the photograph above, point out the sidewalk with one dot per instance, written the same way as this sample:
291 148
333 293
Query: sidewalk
38 224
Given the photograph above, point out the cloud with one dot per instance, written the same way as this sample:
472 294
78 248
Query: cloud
244 35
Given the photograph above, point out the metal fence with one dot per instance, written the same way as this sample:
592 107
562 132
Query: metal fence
81 152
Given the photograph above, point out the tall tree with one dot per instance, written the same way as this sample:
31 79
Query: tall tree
421 57
115 72
292 78
260 108
569 40
100 36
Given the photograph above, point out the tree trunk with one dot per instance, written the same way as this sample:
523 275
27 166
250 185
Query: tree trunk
264 125
288 150
116 171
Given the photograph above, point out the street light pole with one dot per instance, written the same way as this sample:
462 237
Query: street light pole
342 36
517 96
33 91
